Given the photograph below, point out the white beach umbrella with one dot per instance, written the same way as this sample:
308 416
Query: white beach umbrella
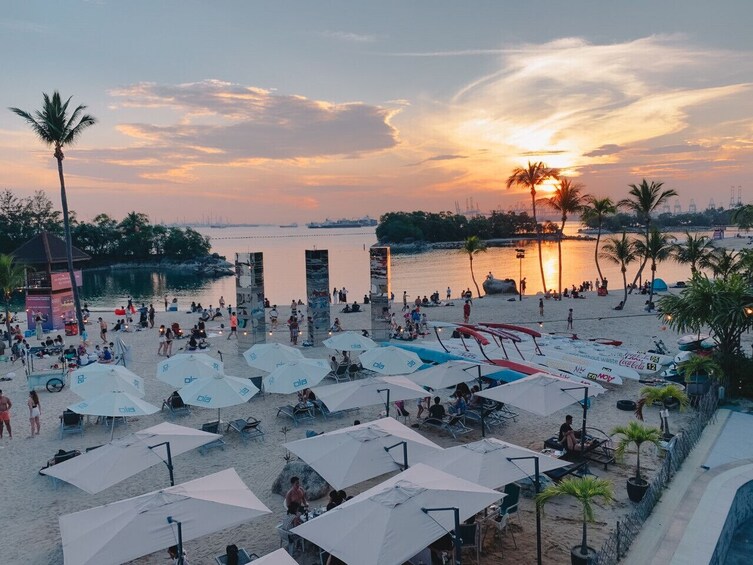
541 393
96 379
114 404
446 375
124 530
355 454
350 341
269 356
487 462
367 392
387 524
296 375
185 368
390 360
279 557
218 392
101 468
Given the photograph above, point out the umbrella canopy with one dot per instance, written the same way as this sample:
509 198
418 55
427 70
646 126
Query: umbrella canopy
185 368
446 375
350 341
386 524
367 392
390 360
113 462
127 529
487 462
279 557
114 404
296 375
96 379
351 455
269 356
541 394
219 391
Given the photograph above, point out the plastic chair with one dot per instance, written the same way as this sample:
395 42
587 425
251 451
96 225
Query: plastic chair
510 502
289 540
71 423
470 536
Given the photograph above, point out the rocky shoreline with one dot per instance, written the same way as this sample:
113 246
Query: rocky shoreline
211 266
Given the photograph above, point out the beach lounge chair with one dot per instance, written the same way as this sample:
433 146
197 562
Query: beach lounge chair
340 375
175 405
452 424
324 411
243 556
297 413
59 457
470 537
71 423
510 503
213 428
250 428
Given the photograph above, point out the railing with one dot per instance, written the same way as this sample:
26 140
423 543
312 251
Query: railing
628 528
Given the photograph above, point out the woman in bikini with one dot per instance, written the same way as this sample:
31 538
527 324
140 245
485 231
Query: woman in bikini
35 411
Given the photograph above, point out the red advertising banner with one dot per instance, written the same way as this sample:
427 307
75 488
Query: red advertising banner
62 281
39 305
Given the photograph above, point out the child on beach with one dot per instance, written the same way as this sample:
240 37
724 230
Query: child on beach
467 311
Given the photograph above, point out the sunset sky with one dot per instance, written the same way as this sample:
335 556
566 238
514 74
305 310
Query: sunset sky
285 111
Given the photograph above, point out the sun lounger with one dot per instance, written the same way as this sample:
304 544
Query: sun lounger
250 428
453 425
175 405
340 375
596 450
297 413
243 557
71 423
213 428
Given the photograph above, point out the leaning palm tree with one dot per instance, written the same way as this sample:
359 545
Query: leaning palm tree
596 210
473 246
567 200
12 278
620 251
585 490
723 263
54 126
657 248
530 177
693 251
644 199
666 396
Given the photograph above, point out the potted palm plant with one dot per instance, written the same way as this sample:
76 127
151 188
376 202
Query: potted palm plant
638 434
585 490
669 396
698 372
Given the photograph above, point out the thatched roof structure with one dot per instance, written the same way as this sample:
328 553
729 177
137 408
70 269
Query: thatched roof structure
46 249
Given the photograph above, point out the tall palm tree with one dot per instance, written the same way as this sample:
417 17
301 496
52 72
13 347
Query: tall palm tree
12 278
54 126
693 251
567 200
530 177
657 248
644 199
723 263
620 251
596 210
473 246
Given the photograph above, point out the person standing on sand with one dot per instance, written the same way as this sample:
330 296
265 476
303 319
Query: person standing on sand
162 340
103 330
293 326
166 303
151 315
5 406
222 302
541 307
467 311
523 286
570 319
335 295
35 412
449 293
168 341
233 326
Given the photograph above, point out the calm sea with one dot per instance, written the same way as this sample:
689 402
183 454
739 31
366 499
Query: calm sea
418 274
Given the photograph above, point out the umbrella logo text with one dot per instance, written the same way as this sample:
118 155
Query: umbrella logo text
203 398
378 365
127 410
300 383
81 379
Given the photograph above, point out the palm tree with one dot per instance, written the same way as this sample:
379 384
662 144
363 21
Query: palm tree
12 278
54 126
567 199
658 248
644 199
530 177
473 246
596 210
722 263
620 251
743 217
693 251
585 490
638 434
664 395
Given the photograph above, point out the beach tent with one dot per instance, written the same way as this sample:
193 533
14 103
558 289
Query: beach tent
96 379
355 454
487 462
269 356
109 464
296 375
180 370
350 341
389 523
368 392
115 404
390 360
219 391
660 285
124 530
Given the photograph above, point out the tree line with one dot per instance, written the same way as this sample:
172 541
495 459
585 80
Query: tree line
104 238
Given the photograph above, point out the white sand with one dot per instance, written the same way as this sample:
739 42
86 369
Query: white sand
29 531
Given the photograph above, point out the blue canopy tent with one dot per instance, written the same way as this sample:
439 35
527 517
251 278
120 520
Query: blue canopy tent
660 285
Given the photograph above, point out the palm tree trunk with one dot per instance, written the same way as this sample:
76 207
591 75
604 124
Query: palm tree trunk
69 243
473 277
584 540
7 322
559 254
596 253
638 462
651 290
538 239
645 260
624 284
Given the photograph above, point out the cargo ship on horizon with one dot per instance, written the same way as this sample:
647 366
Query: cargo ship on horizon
366 221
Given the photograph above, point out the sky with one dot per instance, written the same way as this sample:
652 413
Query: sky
283 111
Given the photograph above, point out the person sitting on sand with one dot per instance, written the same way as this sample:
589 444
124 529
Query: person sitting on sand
336 327
436 410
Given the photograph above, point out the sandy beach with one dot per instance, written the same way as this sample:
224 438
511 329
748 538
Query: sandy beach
29 531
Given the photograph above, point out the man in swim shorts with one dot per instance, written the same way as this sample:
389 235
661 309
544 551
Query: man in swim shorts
5 406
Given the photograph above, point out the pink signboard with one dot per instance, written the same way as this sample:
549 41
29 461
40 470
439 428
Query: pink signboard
62 281
37 305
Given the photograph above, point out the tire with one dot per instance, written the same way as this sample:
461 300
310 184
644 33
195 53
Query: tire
55 385
627 405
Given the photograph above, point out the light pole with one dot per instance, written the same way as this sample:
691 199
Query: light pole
520 254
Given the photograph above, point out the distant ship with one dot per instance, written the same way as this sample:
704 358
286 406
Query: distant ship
293 225
344 223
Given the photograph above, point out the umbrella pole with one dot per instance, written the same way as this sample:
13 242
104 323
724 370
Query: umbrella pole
585 413
169 461
405 452
112 431
180 538
537 488
456 536
386 404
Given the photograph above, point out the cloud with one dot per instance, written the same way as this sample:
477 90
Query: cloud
608 149
682 148
350 36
